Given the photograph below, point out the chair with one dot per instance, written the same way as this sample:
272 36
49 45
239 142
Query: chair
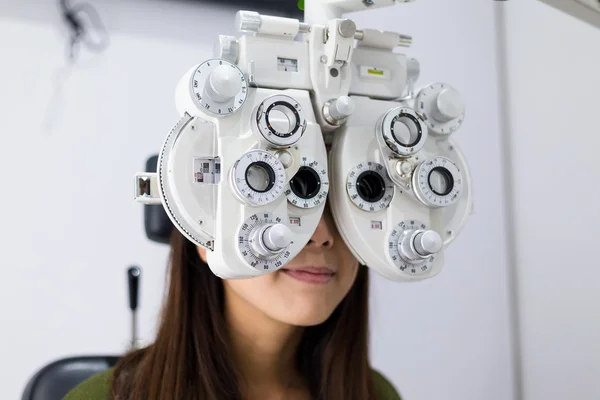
56 379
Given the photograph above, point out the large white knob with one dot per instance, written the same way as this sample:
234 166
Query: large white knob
277 237
223 84
418 245
338 109
270 239
428 243
449 105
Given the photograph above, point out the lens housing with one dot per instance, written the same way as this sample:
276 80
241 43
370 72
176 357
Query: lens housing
403 131
310 186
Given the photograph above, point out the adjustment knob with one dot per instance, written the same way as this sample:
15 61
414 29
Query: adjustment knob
223 84
419 244
277 237
449 105
270 239
337 110
427 243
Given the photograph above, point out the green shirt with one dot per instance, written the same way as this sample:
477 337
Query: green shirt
98 388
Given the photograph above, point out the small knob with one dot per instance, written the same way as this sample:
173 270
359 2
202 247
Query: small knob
338 109
226 47
449 105
347 28
133 280
223 84
247 21
277 237
427 243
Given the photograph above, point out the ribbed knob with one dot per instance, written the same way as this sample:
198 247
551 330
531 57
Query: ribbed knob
247 21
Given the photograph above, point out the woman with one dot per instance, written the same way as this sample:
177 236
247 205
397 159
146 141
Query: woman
298 333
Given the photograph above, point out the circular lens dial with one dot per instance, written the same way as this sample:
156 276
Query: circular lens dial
369 186
310 186
437 182
263 242
258 178
280 120
403 131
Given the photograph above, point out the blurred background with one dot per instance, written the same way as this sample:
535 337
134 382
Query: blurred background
515 314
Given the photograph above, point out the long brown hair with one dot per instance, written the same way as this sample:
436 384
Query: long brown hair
189 359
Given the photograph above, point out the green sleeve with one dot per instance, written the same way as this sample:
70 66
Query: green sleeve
96 387
384 389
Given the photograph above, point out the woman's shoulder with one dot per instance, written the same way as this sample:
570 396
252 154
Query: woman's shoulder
383 387
96 387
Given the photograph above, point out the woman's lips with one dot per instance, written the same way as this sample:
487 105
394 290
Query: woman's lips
310 275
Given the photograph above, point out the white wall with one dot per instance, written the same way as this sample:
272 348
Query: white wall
553 85
70 227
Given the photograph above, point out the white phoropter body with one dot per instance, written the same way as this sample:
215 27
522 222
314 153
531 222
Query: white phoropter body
224 169
245 173
412 205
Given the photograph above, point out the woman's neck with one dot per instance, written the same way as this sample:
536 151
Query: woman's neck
264 349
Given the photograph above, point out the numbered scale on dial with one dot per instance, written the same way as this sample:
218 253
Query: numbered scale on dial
219 87
257 178
437 182
403 131
263 242
310 186
370 187
412 248
443 107
280 121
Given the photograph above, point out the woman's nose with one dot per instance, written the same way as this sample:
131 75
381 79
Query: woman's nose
323 235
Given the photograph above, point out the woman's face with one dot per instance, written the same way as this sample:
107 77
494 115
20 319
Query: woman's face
310 286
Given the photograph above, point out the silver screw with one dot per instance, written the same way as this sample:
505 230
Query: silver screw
323 59
449 232
347 28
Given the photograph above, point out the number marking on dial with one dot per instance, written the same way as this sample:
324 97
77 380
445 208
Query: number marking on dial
204 102
395 239
369 186
244 243
316 172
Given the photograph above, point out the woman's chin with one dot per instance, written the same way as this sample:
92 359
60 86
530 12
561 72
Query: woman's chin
305 312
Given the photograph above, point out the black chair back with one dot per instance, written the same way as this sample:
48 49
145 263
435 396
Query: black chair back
56 379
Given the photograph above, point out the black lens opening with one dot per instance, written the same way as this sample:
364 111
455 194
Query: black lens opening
370 186
263 182
443 178
306 183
